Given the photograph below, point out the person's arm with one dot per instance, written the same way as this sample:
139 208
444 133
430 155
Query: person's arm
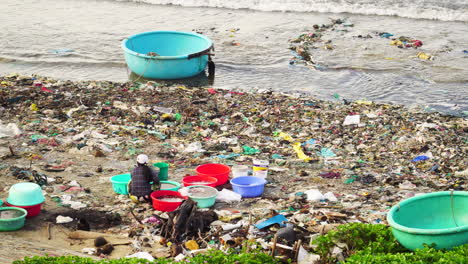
154 175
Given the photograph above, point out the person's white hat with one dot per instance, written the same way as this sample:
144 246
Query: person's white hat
142 159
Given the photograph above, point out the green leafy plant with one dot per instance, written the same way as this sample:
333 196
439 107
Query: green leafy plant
356 237
458 255
211 257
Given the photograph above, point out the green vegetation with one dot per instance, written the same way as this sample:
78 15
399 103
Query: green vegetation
458 255
212 257
356 237
375 244
360 244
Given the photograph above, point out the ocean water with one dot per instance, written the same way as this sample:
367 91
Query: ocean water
80 40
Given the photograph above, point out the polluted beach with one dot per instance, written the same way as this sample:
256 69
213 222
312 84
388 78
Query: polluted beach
259 132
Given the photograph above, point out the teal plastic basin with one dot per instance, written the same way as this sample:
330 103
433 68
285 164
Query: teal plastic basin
167 54
25 194
172 186
439 219
120 183
12 218
205 196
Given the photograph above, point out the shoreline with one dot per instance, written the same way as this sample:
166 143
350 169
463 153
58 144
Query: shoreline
367 165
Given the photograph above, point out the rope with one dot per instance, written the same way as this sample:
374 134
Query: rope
453 211
146 68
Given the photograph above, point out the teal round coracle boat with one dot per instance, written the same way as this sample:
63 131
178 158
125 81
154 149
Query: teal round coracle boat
437 219
167 54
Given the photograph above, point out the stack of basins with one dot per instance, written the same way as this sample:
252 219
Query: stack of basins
26 195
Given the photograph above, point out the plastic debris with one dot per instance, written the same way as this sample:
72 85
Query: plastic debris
249 150
314 195
330 197
141 255
63 219
300 153
9 130
228 196
277 219
420 158
326 153
192 245
375 157
352 120
424 56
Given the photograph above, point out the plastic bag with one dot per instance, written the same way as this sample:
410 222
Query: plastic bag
228 196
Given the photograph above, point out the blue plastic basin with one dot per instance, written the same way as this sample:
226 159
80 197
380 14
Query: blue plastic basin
167 54
248 186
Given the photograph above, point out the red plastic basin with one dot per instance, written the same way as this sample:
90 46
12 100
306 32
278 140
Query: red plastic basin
199 180
165 206
32 210
216 170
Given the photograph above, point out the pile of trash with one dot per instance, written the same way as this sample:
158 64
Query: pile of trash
330 163
321 38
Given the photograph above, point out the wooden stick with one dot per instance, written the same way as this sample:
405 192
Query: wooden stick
49 234
201 238
281 246
273 248
328 206
80 234
11 151
296 253
122 244
134 216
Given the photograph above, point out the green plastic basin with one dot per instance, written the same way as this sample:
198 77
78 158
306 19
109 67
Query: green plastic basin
169 186
120 183
439 219
25 194
12 218
205 196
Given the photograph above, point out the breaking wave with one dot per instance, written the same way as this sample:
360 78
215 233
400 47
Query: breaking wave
445 10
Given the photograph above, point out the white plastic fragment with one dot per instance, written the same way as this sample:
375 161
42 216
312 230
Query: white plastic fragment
228 196
89 251
63 219
352 120
305 257
228 227
330 197
314 195
9 130
179 257
194 147
142 255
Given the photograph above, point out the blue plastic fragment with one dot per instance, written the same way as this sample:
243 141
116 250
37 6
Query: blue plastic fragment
309 142
420 158
435 167
229 156
386 35
277 156
277 219
326 153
